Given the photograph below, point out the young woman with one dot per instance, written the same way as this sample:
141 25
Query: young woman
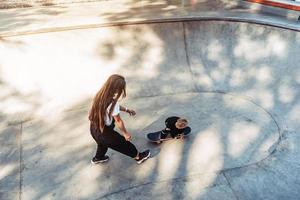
104 115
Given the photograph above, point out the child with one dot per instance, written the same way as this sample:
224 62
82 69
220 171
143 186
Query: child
174 127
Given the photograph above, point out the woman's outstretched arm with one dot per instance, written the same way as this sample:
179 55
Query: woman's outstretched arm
131 112
120 124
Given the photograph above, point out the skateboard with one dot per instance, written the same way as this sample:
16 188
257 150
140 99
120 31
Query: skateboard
155 137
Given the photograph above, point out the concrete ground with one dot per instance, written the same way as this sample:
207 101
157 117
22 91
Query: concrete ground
236 82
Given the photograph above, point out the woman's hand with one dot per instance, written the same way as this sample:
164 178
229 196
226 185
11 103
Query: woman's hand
127 136
131 112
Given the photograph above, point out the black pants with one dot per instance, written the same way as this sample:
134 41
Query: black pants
112 139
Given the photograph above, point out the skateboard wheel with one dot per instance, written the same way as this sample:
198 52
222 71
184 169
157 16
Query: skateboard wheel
179 137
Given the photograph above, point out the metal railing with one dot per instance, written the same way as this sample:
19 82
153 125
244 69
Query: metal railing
285 4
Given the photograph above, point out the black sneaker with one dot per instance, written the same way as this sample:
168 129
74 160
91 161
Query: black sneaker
97 160
143 156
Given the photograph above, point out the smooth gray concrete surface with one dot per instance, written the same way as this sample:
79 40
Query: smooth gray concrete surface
181 188
275 178
237 83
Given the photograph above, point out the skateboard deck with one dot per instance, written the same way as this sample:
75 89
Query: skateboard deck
155 137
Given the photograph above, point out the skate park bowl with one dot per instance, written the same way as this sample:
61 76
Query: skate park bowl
237 83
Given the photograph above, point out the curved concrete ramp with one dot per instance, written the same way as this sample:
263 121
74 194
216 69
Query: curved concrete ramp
235 82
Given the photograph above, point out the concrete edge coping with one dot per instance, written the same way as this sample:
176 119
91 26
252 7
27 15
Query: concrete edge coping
240 16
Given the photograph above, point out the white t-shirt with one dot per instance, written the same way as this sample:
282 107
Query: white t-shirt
115 112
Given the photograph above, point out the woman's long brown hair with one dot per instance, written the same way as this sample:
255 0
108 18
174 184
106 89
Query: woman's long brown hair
115 84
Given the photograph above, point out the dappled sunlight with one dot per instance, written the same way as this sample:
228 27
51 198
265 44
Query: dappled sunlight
54 76
263 96
169 160
249 49
205 81
237 78
144 172
286 91
240 137
169 72
151 47
87 176
55 147
253 50
217 75
293 117
193 187
225 119
247 131
277 45
206 152
263 75
8 169
214 50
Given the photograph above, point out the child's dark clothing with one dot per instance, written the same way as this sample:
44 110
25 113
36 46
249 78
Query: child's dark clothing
173 131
